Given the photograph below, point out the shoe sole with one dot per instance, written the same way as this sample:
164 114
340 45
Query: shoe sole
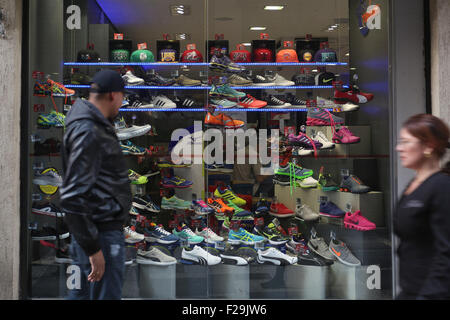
295 177
340 142
143 207
133 153
269 84
357 227
331 216
355 192
238 261
63 260
316 252
165 207
199 260
281 215
134 134
238 241
43 182
156 263
327 189
273 261
174 186
158 240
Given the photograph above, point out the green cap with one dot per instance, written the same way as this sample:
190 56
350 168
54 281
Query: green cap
142 56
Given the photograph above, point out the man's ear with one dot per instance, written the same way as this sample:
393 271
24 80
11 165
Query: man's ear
110 96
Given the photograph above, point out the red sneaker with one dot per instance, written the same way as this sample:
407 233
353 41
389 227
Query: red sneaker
353 94
280 210
358 222
251 103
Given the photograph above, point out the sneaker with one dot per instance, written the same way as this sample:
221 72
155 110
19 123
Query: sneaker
320 247
157 80
49 147
262 207
176 182
294 171
280 210
164 163
219 206
251 103
225 91
184 232
57 89
133 101
226 168
156 233
352 94
238 81
200 256
329 209
201 208
302 140
321 117
309 182
271 233
342 253
131 236
162 102
154 256
276 257
129 148
353 184
126 133
234 256
136 178
239 213
52 119
282 180
48 233
294 101
326 182
224 63
320 137
48 178
134 211
47 209
174 203
344 136
298 246
281 81
209 235
242 236
131 80
63 256
305 213
184 81
301 151
260 81
222 103
186 102
273 102
228 195
358 222
145 204
223 120
346 107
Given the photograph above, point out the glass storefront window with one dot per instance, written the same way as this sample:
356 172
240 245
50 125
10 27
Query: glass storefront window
258 141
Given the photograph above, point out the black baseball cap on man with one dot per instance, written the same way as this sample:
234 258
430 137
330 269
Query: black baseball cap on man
106 81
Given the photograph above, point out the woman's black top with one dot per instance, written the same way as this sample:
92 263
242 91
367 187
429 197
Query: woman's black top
422 222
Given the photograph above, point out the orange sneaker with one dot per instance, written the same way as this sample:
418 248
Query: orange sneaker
58 90
219 206
223 120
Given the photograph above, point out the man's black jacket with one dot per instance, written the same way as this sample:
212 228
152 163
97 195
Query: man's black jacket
95 194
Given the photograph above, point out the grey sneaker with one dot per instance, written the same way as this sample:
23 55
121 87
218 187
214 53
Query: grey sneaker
50 178
340 250
133 131
154 256
235 80
304 212
320 247
182 80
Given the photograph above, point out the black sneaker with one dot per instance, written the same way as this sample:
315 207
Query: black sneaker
134 101
47 209
271 233
262 206
63 256
48 233
157 80
261 81
294 101
186 103
281 180
145 204
274 102
353 184
48 147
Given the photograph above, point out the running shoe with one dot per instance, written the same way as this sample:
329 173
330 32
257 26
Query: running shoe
145 204
134 211
320 247
185 233
273 102
63 256
184 81
52 119
131 236
358 222
200 256
342 253
162 102
201 208
154 256
301 151
298 246
251 103
280 80
239 213
329 209
126 133
260 81
346 107
209 235
219 206
47 209
157 80
133 101
222 103
353 184
48 178
326 182
262 206
271 233
225 91
305 213
294 171
280 210
276 257
238 81
48 233
176 182
49 147
321 117
320 137
156 233
352 94
226 168
224 63
131 80
129 148
174 203
309 182
228 195
294 101
136 178
186 102
343 135
223 120
234 256
242 236
57 89
302 140
282 180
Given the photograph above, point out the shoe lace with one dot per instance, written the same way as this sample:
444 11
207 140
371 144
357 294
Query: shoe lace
312 142
162 230
332 124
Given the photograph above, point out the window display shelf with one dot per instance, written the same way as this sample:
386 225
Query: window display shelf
278 64
82 86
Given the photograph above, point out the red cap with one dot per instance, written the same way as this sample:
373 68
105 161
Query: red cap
263 55
287 55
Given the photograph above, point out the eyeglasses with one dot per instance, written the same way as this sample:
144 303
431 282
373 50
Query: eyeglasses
405 142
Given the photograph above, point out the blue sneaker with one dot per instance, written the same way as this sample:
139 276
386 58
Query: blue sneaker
242 236
329 209
201 208
226 91
176 182
156 233
184 232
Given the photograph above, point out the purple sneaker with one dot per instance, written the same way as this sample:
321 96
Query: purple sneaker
224 63
304 141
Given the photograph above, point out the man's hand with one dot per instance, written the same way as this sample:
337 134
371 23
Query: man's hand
97 266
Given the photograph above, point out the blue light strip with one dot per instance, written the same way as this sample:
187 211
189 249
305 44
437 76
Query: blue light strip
104 64
80 86
217 109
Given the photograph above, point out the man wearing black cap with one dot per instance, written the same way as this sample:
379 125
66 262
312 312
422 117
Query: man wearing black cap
95 194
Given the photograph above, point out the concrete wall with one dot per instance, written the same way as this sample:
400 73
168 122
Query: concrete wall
10 95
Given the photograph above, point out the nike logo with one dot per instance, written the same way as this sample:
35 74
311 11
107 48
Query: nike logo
337 253
327 80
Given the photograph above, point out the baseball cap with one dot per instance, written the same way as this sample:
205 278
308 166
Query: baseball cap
287 55
142 56
107 81
325 78
263 55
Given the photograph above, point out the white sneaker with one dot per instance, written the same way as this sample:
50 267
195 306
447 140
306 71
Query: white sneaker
281 81
276 257
131 80
209 235
309 182
132 236
322 138
133 131
300 151
199 255
154 256
163 102
325 103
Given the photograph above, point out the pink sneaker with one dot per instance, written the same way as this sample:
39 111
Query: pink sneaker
344 136
358 222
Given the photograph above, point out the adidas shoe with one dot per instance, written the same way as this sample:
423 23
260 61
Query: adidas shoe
131 80
156 233
185 233
222 103
260 81
321 117
200 256
273 102
251 103
209 235
294 171
186 102
161 101
242 236
302 140
224 63
133 101
184 81
320 137
201 208
276 257
294 101
238 81
225 91
154 256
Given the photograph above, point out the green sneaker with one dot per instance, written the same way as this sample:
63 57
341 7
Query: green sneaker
226 91
184 232
240 213
136 178
174 203
54 119
294 171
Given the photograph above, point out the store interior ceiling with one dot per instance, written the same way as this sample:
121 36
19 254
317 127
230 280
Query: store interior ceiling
148 20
